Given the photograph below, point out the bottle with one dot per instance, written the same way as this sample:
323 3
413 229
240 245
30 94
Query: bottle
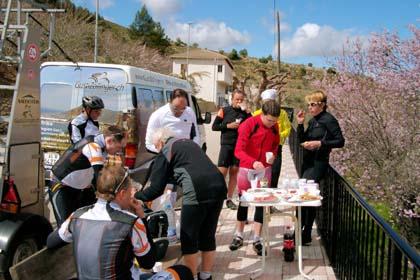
288 245
170 213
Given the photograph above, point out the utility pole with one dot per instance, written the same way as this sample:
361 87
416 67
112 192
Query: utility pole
96 32
278 42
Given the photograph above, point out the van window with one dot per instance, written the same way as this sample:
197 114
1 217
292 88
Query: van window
56 98
158 99
145 104
168 95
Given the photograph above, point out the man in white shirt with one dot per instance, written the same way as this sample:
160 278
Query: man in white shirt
175 115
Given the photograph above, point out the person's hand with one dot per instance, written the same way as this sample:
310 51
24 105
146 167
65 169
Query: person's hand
300 117
311 145
137 207
258 165
233 125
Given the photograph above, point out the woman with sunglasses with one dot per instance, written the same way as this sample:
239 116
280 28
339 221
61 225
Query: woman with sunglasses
111 233
322 134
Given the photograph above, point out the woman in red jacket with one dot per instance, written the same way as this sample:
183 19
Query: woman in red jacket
256 136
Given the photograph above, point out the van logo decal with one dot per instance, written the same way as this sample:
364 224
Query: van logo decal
99 76
101 81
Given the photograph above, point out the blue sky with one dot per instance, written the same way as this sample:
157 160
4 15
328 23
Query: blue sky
311 30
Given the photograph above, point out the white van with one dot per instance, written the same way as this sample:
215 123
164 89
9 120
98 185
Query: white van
130 95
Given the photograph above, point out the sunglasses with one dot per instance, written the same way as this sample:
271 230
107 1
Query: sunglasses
118 136
313 104
117 189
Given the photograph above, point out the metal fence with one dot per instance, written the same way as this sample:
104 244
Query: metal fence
358 241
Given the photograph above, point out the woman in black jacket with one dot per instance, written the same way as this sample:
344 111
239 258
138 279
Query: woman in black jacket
322 135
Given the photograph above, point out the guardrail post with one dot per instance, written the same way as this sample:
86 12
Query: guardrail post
334 209
395 262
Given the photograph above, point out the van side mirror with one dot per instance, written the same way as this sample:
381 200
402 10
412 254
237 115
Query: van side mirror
207 118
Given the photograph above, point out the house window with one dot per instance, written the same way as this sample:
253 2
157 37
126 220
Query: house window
219 68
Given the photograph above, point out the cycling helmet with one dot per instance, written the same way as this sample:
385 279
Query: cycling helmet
92 102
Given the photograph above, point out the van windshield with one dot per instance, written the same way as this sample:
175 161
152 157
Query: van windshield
62 90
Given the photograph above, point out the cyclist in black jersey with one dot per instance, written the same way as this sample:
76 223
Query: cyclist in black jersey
86 123
76 171
110 234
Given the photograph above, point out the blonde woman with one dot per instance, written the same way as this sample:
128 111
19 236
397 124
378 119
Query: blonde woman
322 134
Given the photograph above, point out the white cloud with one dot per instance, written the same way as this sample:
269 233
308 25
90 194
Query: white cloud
208 34
313 40
162 8
103 4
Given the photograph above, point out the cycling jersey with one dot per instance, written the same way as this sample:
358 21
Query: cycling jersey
105 240
82 126
225 116
254 140
75 166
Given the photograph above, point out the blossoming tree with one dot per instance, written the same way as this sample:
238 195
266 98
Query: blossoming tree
375 95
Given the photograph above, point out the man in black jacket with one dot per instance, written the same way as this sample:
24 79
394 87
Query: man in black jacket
204 190
227 122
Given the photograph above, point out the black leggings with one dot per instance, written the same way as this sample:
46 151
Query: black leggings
315 172
276 168
242 214
65 200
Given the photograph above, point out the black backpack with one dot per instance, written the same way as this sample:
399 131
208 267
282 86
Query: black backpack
157 223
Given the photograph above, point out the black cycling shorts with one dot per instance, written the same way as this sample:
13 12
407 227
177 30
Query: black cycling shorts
227 157
198 227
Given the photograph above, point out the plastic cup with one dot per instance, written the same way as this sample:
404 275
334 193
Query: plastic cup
158 267
268 156
238 120
254 183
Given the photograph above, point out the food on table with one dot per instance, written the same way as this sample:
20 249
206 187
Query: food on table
308 196
265 198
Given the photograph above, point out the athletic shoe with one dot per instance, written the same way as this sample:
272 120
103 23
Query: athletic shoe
199 277
258 247
237 243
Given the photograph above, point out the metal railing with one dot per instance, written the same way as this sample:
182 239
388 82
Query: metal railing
358 241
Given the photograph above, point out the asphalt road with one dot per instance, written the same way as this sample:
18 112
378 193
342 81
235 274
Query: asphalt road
213 141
